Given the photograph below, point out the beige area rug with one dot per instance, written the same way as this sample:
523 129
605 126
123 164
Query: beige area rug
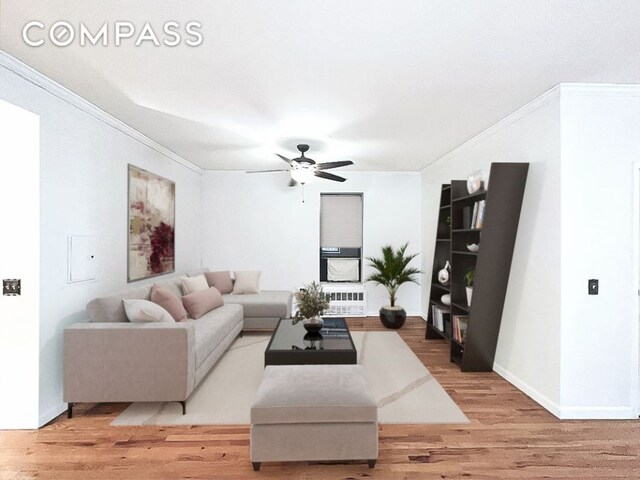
405 390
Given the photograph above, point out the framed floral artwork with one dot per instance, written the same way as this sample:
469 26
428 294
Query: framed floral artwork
152 215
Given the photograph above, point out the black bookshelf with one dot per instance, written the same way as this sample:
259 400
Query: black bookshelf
492 263
441 256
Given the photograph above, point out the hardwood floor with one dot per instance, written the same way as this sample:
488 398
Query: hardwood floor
510 437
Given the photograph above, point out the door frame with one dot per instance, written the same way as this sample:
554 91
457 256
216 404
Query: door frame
635 380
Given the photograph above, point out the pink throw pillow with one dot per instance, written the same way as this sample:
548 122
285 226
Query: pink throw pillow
199 303
220 280
168 300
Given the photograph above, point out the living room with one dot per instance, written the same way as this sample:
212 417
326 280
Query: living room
413 115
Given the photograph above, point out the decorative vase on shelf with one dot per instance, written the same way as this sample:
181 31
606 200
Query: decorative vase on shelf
469 291
473 247
474 182
443 275
313 325
446 299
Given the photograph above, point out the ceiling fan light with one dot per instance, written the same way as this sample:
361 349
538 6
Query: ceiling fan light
302 174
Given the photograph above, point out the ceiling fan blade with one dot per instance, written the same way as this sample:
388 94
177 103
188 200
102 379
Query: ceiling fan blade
266 171
292 183
329 176
328 165
284 158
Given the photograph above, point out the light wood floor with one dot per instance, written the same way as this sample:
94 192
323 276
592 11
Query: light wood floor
510 437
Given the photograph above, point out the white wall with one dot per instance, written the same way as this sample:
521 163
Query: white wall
19 258
600 145
83 163
574 353
528 352
256 222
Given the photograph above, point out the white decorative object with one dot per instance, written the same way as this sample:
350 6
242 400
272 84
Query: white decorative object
473 247
443 275
446 299
474 182
469 291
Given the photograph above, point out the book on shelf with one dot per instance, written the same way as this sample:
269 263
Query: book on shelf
439 317
474 215
459 327
480 219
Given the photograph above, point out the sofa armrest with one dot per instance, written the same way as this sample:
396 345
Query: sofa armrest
128 362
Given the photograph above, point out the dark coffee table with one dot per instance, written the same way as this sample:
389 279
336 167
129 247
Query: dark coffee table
291 344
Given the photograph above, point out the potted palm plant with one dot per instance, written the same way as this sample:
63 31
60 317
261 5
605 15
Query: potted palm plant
392 270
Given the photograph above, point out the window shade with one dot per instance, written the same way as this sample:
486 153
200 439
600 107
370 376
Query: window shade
341 221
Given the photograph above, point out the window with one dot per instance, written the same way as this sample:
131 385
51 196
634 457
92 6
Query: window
341 237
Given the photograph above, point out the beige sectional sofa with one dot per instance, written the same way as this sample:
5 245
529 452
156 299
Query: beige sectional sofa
109 359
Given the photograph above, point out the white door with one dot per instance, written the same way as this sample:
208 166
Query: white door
19 259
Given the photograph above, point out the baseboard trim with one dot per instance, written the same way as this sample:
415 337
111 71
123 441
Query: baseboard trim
598 413
50 414
562 412
528 390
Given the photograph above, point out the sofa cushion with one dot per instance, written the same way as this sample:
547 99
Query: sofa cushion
213 327
193 284
221 280
300 394
199 303
246 282
174 286
169 301
142 311
111 308
266 304
195 273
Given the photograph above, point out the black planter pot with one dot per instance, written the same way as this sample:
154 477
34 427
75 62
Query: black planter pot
393 317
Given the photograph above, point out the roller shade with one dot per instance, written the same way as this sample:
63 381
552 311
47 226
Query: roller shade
341 221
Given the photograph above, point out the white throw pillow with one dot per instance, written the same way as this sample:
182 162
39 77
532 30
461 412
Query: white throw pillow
194 284
246 282
138 310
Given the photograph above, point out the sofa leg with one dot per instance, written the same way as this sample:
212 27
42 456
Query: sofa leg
184 407
372 463
240 333
70 410
256 466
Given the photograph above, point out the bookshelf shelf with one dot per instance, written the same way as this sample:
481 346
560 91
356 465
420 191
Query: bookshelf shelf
497 211
461 306
472 196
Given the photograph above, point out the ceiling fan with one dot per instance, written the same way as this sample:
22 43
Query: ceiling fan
302 169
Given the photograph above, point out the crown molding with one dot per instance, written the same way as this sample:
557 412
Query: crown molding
562 89
600 89
39 80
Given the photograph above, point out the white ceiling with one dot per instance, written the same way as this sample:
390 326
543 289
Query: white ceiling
391 85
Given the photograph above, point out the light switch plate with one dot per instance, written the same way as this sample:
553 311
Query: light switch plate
11 287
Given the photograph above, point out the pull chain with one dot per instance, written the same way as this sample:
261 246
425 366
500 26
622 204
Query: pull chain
303 193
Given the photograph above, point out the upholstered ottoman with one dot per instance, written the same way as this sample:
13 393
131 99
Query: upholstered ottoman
314 412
